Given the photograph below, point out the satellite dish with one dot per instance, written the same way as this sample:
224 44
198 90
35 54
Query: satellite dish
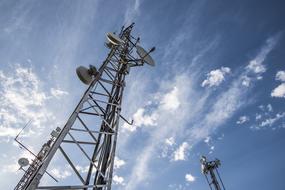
23 162
114 39
145 55
84 75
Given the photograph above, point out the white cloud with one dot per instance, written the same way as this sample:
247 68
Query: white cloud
181 152
170 101
246 81
221 137
258 117
279 91
9 168
190 178
256 67
207 140
269 122
168 147
8 132
280 75
216 77
261 107
141 119
269 107
118 180
242 119
21 99
82 169
170 141
60 173
58 93
118 163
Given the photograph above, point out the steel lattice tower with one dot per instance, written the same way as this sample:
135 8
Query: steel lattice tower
210 168
96 115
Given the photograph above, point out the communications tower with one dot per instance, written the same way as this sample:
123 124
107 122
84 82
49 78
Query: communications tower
210 169
90 134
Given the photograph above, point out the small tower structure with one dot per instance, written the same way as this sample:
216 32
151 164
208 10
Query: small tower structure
210 170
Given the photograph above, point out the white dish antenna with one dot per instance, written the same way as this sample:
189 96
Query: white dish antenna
23 162
114 39
84 75
145 55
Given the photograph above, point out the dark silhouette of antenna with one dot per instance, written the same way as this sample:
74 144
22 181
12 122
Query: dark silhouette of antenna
97 115
210 170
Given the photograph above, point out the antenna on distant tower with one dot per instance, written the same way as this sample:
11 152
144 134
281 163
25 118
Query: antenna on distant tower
210 168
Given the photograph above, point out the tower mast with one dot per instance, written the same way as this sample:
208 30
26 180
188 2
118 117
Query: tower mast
97 115
210 170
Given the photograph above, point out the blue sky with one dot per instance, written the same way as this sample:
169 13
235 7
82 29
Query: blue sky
217 89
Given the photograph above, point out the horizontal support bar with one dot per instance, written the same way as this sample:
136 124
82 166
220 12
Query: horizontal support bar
91 113
98 93
69 187
82 130
80 142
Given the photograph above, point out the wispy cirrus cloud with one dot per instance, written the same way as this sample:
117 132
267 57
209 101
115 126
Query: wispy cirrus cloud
22 99
133 10
229 101
58 93
164 127
256 68
222 108
218 111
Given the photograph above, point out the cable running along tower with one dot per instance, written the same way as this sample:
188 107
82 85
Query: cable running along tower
90 135
210 168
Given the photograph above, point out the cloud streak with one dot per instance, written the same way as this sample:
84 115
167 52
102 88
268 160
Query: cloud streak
133 10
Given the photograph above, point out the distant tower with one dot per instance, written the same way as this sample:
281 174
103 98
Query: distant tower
210 169
90 134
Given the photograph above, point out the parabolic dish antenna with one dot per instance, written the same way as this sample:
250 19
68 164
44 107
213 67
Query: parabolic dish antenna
23 162
145 55
84 75
114 39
